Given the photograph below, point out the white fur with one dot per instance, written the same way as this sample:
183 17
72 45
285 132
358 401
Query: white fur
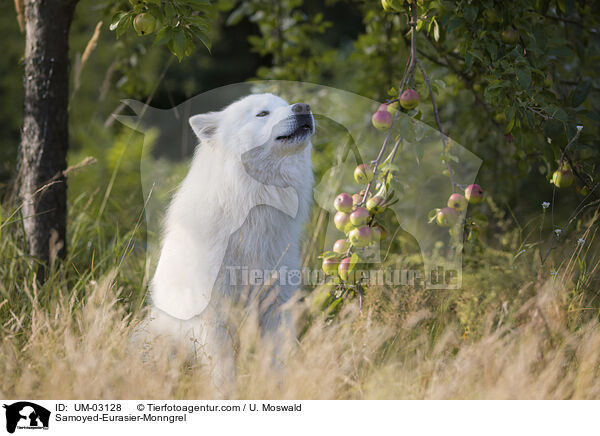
223 216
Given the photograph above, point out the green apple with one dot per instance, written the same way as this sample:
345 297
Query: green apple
144 23
344 269
363 174
376 204
361 236
383 233
392 108
376 233
510 36
563 178
446 217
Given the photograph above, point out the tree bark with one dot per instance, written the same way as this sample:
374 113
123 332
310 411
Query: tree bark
41 185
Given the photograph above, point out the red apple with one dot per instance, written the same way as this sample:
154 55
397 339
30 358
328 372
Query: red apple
342 222
330 265
409 99
474 194
356 199
343 202
457 202
382 119
341 246
359 217
361 236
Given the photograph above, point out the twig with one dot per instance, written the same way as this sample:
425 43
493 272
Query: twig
413 40
540 113
439 125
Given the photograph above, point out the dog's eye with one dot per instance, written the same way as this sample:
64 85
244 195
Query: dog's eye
262 114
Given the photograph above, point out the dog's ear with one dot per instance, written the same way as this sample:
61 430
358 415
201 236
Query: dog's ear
205 125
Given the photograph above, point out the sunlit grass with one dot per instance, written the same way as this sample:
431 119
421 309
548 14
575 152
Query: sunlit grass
517 329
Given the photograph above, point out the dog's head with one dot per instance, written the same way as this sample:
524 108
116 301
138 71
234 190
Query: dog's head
263 120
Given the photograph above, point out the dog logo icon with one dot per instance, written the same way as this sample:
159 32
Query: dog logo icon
26 415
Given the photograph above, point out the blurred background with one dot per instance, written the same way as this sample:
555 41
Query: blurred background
352 45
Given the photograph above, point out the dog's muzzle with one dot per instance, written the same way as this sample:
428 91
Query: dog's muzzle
299 125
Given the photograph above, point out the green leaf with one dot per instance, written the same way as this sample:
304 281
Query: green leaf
581 92
470 13
198 3
121 22
124 25
163 36
177 43
594 116
353 261
115 20
510 126
553 129
432 215
436 29
479 218
335 306
204 39
200 22
524 76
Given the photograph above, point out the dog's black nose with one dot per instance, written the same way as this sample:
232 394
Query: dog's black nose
301 108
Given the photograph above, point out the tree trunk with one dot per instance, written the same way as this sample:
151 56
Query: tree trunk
44 143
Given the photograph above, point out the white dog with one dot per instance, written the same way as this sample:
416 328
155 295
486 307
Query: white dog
239 212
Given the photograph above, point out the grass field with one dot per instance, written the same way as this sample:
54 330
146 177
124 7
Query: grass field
517 329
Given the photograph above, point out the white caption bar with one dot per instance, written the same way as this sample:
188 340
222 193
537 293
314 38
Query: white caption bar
140 417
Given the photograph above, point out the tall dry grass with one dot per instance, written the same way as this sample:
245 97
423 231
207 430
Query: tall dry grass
517 329
69 352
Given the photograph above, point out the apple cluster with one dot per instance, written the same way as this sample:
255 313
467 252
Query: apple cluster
448 216
357 221
382 118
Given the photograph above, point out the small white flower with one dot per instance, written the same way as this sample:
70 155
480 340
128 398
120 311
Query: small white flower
558 231
579 128
521 252
580 241
545 205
